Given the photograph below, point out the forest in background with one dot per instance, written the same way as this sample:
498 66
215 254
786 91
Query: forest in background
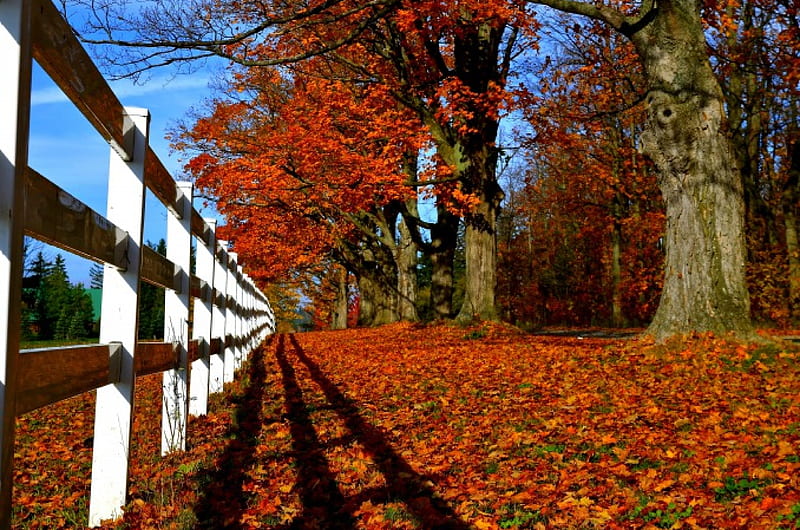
57 311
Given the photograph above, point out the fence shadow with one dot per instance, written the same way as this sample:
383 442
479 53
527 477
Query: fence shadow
403 482
223 500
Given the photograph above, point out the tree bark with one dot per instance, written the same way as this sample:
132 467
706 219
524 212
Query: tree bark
791 198
339 313
686 136
406 258
481 259
366 301
617 316
377 285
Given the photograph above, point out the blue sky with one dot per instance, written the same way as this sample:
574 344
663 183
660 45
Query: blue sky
66 149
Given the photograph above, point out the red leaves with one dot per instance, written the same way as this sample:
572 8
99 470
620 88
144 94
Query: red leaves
410 427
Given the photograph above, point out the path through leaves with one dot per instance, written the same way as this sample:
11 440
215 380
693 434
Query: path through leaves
445 427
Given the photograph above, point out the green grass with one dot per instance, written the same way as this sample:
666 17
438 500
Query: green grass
34 344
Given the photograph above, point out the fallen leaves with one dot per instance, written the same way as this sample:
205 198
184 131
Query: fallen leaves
420 427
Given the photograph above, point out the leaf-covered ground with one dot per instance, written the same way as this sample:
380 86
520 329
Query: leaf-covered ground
446 427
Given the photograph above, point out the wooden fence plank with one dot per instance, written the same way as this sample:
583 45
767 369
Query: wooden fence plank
60 54
201 318
159 271
160 182
154 357
200 289
195 350
175 382
200 228
113 414
49 375
15 63
56 217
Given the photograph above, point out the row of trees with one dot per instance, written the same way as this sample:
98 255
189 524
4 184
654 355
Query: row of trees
340 117
53 308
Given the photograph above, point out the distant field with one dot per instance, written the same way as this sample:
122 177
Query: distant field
32 344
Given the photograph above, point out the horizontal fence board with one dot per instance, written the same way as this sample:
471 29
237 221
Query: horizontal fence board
158 270
199 289
49 375
216 346
154 357
200 228
160 182
60 54
56 217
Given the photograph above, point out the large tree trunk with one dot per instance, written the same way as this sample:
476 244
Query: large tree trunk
791 207
339 313
366 300
444 238
686 136
406 258
480 281
377 285
617 316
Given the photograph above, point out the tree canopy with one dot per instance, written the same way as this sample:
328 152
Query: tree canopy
361 134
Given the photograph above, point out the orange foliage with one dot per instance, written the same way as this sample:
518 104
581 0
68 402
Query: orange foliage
482 427
588 185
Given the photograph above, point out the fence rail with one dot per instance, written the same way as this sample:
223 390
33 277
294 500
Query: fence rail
230 315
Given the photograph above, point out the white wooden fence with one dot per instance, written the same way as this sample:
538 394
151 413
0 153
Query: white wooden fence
230 315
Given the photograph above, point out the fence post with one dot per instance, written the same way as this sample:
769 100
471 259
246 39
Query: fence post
241 313
15 63
118 323
251 324
231 315
201 330
176 326
218 317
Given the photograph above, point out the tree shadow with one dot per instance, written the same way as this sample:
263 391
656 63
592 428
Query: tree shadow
315 480
223 501
323 503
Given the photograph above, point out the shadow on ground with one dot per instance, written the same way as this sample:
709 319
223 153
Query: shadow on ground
224 501
324 505
588 333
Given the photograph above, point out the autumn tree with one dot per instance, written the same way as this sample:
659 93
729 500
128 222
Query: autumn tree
449 63
754 45
686 137
303 168
587 202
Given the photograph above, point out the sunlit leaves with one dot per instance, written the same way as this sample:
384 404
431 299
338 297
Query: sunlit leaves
409 427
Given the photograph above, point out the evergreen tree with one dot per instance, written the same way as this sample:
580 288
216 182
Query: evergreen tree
151 303
96 276
52 308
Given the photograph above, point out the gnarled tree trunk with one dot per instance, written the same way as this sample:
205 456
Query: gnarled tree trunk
406 258
339 313
704 282
687 138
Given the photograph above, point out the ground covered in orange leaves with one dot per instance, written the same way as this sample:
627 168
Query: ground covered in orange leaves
446 427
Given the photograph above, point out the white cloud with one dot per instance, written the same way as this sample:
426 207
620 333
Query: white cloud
126 88
48 95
